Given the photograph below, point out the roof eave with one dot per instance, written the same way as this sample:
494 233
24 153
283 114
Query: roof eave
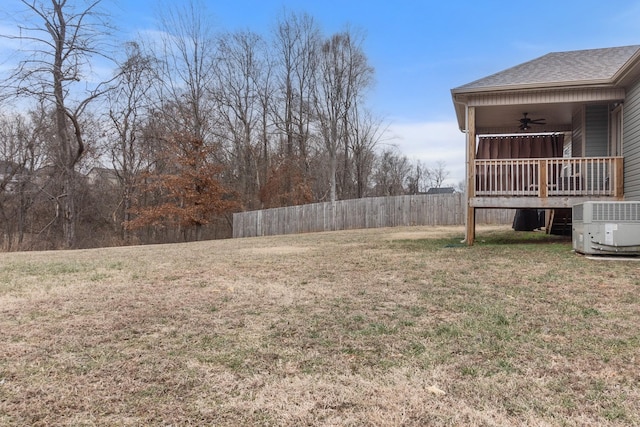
629 72
534 86
460 114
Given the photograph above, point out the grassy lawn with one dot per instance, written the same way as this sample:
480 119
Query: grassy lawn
376 327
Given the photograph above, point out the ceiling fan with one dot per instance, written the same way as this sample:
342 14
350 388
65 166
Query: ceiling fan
525 122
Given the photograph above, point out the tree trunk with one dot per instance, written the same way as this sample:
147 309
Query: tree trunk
68 211
333 165
198 232
126 215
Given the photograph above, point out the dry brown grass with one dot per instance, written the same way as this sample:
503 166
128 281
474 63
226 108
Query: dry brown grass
375 327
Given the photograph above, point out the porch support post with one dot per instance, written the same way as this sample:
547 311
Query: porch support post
543 190
470 234
619 178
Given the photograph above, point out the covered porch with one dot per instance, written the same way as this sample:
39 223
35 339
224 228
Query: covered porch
553 168
588 99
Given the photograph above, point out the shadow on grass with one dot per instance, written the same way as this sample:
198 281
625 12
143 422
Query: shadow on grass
499 238
520 237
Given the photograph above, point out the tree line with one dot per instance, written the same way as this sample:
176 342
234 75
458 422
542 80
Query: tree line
190 126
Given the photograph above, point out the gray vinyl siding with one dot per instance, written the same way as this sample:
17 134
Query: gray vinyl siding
631 142
596 130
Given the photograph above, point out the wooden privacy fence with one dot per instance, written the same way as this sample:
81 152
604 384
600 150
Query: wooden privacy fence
373 212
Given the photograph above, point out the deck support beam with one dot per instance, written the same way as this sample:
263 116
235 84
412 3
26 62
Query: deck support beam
514 202
470 234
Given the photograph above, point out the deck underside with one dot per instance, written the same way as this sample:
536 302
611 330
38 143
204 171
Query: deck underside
515 202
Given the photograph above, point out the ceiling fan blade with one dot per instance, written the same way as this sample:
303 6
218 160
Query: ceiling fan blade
525 122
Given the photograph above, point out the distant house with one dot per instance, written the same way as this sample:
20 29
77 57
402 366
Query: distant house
441 190
102 176
7 169
10 174
552 132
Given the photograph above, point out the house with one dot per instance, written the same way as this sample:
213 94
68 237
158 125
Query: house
441 190
102 176
10 174
552 132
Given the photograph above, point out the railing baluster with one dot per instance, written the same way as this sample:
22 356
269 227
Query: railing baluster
492 174
591 176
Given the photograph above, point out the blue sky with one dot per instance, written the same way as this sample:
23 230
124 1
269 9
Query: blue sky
421 49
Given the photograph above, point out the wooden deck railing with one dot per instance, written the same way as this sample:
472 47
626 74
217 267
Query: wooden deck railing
576 176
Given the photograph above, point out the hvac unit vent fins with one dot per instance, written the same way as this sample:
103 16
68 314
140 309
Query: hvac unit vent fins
616 212
578 213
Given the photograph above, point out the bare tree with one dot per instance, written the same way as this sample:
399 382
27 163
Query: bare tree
391 173
187 57
296 39
423 177
344 73
437 175
129 105
238 94
265 99
62 39
19 157
418 178
365 133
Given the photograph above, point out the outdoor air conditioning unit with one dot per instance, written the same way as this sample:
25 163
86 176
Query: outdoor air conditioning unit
606 228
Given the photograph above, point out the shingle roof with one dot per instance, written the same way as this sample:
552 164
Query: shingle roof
559 68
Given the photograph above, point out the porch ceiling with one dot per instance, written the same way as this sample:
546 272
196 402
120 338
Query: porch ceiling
506 118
